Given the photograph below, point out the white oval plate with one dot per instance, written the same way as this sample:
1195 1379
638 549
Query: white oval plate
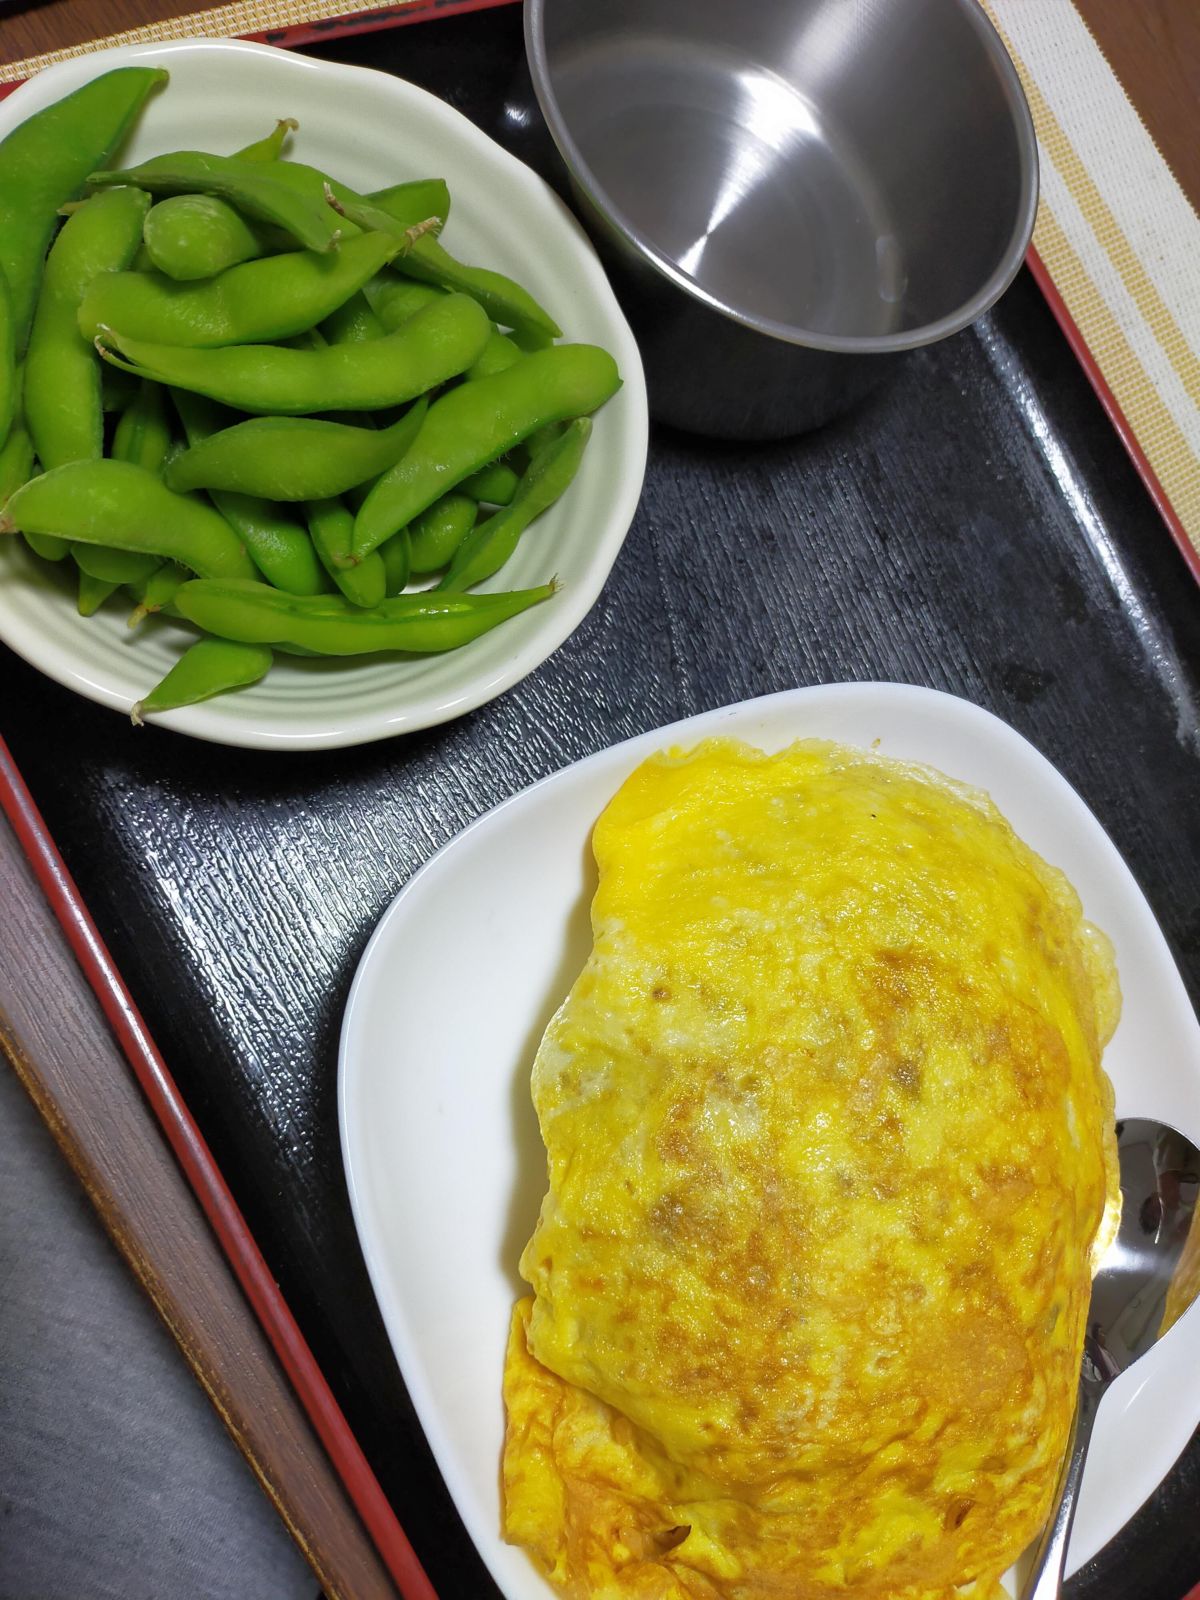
369 129
443 1158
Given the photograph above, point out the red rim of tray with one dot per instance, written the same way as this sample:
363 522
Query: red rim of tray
209 1186
1125 433
150 1069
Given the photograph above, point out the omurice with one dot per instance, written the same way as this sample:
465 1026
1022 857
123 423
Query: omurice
831 1156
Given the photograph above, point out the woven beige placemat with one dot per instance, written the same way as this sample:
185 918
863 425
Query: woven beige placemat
213 22
1120 240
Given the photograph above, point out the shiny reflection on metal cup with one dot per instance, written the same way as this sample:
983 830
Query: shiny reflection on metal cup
787 193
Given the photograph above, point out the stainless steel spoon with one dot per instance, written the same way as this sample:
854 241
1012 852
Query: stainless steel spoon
1160 1176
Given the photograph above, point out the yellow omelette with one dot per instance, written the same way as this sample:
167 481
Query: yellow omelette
830 1151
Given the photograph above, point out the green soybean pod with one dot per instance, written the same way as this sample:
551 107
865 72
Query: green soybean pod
476 422
64 380
496 483
352 323
16 468
414 201
331 526
16 461
406 204
92 593
110 565
436 345
504 300
43 164
394 300
9 380
489 545
195 236
396 554
252 187
254 613
158 592
143 434
427 260
437 533
269 148
116 503
276 297
291 458
207 668
47 545
499 353
62 396
278 545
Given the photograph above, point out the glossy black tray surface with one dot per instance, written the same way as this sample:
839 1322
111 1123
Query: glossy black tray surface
974 526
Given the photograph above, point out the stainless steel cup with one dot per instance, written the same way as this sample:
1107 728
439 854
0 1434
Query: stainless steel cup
787 193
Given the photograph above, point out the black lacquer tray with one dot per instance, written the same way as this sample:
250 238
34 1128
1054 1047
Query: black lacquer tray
974 526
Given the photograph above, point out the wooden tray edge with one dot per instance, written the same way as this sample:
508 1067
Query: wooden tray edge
209 1186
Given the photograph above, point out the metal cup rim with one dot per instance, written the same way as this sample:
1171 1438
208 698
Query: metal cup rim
986 296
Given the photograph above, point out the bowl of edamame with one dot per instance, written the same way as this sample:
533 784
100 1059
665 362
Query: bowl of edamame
301 444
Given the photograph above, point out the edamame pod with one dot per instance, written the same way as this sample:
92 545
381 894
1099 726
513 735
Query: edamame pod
279 547
9 381
435 346
411 202
430 262
16 461
92 593
116 503
499 353
476 422
251 186
254 613
63 405
293 458
496 483
47 545
16 468
195 236
504 300
331 526
396 555
143 435
158 592
394 300
405 204
43 165
63 389
352 322
254 303
437 533
487 547
207 668
114 566
270 148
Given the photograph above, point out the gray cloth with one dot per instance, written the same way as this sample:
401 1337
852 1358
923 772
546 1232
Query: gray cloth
117 1478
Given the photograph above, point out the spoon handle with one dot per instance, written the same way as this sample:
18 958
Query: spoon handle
1049 1558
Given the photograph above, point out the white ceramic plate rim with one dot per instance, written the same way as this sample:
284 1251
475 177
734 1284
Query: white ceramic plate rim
236 720
1149 1416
